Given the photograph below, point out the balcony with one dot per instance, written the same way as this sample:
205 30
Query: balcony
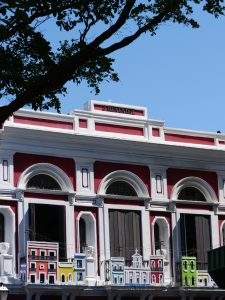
32 269
156 269
51 270
38 257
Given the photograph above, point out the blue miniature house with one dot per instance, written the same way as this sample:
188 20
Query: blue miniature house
80 268
117 271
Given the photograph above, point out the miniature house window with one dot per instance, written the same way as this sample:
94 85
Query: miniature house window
191 193
153 265
2 228
138 278
80 276
42 278
51 279
43 182
79 263
161 278
160 264
32 278
153 278
52 253
115 280
33 253
121 188
185 265
192 266
70 277
42 253
121 280
131 278
62 278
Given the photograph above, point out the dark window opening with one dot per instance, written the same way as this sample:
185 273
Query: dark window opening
42 253
47 224
82 231
157 237
42 278
121 188
191 193
43 182
80 277
63 278
125 234
196 238
2 228
32 278
51 279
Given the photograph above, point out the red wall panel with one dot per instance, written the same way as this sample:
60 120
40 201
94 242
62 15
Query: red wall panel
175 175
101 169
22 161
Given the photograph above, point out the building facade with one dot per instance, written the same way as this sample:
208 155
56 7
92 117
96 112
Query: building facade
104 203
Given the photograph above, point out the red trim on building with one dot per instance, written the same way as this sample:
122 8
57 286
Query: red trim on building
135 112
175 175
83 123
43 122
222 142
119 129
22 161
45 196
155 132
101 169
124 202
170 137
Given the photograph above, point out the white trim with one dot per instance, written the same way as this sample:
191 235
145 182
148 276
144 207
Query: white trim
48 169
222 242
197 183
127 176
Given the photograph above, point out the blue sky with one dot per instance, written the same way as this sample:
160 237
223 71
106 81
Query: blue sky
179 75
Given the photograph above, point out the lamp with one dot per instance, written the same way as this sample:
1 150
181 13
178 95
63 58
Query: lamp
3 292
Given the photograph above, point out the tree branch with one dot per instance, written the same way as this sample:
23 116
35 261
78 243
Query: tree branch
115 27
129 39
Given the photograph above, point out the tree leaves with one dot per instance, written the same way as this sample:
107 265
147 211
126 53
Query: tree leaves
31 73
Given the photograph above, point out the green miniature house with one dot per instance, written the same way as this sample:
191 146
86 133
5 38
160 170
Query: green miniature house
189 271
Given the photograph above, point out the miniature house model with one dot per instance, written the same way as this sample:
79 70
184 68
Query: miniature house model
137 274
80 268
156 263
117 270
189 271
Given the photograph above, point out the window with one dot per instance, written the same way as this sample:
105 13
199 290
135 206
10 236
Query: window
79 263
52 253
153 279
196 238
160 278
191 193
82 229
33 253
42 253
80 276
42 278
43 182
125 233
121 188
69 277
62 278
32 278
2 228
51 279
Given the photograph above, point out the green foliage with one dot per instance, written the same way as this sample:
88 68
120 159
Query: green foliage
31 73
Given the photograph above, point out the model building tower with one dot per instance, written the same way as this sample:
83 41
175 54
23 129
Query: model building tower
189 271
117 270
80 268
42 262
157 270
137 274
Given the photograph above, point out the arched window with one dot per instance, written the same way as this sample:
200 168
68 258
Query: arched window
2 228
191 193
121 188
43 182
82 229
157 237
62 278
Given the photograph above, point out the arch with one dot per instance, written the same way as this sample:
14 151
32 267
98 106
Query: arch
9 227
90 230
164 237
46 169
197 183
222 233
127 176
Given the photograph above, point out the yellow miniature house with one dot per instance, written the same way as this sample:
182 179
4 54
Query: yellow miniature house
66 272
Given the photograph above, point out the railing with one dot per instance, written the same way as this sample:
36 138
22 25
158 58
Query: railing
36 257
32 269
157 269
51 270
